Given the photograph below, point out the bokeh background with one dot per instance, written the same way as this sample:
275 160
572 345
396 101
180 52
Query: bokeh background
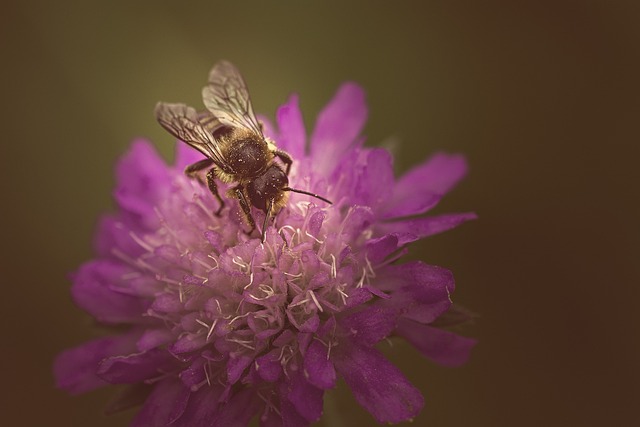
542 96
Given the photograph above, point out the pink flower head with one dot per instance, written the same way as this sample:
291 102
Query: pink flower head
221 327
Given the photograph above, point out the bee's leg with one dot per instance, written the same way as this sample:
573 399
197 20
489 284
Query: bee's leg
238 193
192 170
266 219
285 157
211 183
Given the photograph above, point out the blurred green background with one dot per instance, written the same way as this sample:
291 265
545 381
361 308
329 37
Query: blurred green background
542 96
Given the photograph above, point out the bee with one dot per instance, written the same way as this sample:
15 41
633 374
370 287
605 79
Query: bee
234 145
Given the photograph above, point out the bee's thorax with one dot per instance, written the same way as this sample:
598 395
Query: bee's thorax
247 154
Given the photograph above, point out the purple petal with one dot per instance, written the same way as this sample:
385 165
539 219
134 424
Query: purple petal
443 347
422 188
378 385
293 135
237 412
75 369
165 404
194 376
201 409
236 366
132 396
93 292
338 126
306 398
318 368
268 366
153 338
114 235
142 179
423 227
421 291
376 176
362 175
135 367
289 416
380 248
185 156
371 325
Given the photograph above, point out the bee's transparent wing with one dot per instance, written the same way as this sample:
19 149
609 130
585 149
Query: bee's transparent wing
227 98
184 123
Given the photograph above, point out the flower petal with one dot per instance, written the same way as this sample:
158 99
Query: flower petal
142 179
269 366
420 228
75 369
306 398
202 408
114 235
93 292
422 188
236 366
338 126
165 404
318 368
185 155
443 347
371 325
135 367
376 178
293 135
237 412
419 290
376 384
380 248
365 177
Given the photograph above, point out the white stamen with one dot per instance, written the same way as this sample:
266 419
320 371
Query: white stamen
206 373
304 301
144 245
206 325
240 262
334 271
361 281
313 237
343 295
315 300
215 259
250 281
204 264
213 325
238 317
244 343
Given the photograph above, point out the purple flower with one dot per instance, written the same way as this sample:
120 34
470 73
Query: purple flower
221 328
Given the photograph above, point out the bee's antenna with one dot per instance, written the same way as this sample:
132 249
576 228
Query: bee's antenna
308 194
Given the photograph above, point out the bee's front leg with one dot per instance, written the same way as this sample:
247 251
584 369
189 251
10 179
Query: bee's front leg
238 193
285 157
213 187
192 172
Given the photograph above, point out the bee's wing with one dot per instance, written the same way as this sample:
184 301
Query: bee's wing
227 98
184 123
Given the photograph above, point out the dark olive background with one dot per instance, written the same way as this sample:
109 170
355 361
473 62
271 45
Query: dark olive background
542 96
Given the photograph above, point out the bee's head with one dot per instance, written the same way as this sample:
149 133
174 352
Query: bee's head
270 185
